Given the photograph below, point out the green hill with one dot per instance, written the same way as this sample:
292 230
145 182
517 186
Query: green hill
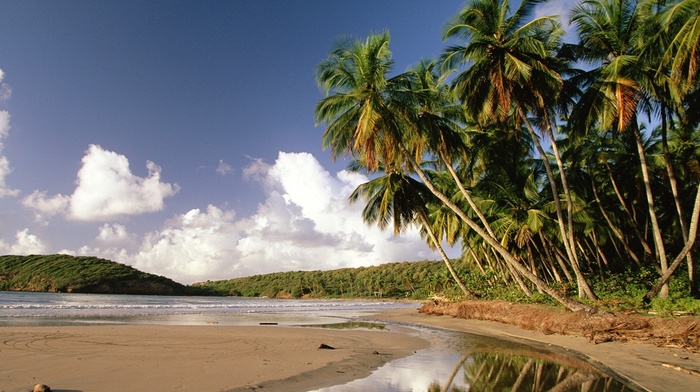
415 280
63 273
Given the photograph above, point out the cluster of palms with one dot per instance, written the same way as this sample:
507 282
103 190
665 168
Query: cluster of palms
537 156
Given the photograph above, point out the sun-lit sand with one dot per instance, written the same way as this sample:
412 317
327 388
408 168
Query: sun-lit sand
274 358
191 358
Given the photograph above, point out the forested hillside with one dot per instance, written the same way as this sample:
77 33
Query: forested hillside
416 280
63 273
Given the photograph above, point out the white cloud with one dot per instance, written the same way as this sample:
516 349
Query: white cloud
106 189
25 244
45 206
223 168
5 89
115 235
5 169
304 223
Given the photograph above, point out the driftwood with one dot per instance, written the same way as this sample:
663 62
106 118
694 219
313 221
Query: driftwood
681 369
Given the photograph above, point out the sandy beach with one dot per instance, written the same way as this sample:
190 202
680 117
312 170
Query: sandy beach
274 358
191 358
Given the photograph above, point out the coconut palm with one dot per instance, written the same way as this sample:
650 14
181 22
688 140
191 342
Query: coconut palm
398 200
680 22
363 110
608 32
511 73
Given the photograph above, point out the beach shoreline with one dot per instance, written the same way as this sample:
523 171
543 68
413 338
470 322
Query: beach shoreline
280 358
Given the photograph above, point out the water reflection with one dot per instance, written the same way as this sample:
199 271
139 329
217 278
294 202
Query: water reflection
465 362
350 325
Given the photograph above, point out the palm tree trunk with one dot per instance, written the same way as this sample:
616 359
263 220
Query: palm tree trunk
656 231
436 243
691 241
476 259
554 251
569 303
676 198
567 237
633 220
468 196
616 231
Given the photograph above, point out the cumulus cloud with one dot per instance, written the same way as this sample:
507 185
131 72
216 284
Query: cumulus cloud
304 223
223 168
115 235
5 169
106 189
46 206
5 89
25 244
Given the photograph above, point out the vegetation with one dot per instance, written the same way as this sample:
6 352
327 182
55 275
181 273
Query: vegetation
568 172
414 280
558 167
63 273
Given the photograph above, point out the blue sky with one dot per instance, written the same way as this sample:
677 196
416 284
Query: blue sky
178 136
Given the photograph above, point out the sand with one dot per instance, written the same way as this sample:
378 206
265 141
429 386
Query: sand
191 358
275 358
651 368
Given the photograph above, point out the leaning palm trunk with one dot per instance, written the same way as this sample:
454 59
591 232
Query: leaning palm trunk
614 229
632 218
567 236
468 197
656 231
426 224
679 259
676 198
493 242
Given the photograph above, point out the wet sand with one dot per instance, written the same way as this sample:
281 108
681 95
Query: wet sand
191 358
651 368
274 358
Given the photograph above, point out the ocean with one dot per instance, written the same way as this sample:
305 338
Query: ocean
62 308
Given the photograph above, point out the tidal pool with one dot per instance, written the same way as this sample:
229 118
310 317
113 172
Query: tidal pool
466 362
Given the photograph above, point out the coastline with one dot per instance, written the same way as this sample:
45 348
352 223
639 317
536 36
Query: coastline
648 367
144 357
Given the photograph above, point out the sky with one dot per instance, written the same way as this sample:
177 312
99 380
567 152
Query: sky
178 136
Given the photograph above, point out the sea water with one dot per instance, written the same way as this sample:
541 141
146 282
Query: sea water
62 308
454 361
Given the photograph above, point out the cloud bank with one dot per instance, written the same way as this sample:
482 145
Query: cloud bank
304 223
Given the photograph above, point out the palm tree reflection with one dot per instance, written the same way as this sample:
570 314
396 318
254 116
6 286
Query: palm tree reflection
486 371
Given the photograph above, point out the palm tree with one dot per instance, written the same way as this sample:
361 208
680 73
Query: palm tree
360 122
399 200
608 31
511 72
681 23
363 112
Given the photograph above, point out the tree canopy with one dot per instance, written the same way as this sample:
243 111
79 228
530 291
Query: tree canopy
550 163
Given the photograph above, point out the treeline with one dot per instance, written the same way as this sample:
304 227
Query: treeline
553 161
416 280
70 274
